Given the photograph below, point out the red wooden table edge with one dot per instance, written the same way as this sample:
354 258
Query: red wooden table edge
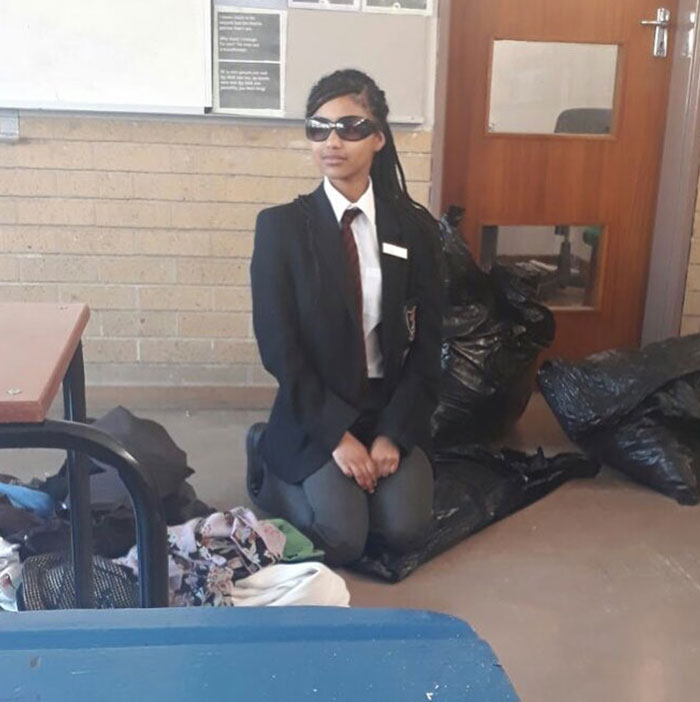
35 411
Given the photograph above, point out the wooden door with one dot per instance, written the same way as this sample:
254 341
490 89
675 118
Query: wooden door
553 139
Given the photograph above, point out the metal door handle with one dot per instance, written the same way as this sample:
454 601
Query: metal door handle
663 19
661 25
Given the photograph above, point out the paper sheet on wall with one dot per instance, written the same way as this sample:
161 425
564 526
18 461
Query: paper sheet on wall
401 7
325 4
249 61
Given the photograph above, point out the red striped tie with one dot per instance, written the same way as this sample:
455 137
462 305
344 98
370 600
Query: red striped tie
353 260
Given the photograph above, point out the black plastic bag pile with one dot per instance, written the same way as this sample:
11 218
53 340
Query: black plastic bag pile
493 333
474 487
636 411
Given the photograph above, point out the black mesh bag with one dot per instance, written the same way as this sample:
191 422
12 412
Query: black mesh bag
48 583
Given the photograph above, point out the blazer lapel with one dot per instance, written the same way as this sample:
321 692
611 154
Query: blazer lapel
394 273
329 246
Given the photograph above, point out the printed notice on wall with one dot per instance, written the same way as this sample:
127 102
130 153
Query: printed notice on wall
249 61
326 4
400 7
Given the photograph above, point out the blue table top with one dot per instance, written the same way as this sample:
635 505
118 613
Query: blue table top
266 654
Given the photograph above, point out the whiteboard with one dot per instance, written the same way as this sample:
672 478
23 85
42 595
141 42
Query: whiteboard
106 55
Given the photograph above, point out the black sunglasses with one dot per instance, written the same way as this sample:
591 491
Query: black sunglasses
351 128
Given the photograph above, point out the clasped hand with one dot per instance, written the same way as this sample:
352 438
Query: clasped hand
366 467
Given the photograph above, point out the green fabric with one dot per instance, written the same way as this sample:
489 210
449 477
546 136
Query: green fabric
297 547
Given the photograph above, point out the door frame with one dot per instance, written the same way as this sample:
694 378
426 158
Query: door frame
678 184
678 187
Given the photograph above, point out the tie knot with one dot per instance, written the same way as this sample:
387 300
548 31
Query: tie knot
349 215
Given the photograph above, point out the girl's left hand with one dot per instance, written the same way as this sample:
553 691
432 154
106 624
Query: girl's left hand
385 455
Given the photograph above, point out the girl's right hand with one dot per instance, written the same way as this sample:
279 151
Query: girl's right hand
354 460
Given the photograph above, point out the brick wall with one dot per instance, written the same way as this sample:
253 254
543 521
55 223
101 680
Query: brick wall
691 308
150 222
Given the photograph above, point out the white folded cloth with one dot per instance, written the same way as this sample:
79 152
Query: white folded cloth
282 585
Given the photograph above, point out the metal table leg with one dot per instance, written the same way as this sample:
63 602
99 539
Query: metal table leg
74 407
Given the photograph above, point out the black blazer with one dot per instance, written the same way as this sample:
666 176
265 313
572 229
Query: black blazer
309 332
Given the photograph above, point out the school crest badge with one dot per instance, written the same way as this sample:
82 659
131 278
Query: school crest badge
410 317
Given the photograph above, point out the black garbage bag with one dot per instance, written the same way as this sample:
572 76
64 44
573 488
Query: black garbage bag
151 445
493 333
113 522
474 487
148 442
636 411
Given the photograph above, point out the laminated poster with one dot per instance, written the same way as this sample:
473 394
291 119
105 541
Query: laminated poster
249 61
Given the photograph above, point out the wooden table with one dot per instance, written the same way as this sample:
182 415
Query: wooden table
40 350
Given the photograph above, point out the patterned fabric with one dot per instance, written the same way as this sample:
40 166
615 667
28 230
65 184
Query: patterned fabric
207 556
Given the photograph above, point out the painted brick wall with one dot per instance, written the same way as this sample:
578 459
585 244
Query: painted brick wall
150 222
691 308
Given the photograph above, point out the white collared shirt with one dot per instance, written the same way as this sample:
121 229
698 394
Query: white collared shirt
364 229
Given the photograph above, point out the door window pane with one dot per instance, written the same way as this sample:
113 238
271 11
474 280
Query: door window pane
562 260
552 87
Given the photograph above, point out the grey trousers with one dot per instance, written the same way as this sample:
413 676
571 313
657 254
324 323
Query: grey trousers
338 516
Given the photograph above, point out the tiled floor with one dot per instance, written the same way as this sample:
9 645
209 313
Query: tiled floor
591 595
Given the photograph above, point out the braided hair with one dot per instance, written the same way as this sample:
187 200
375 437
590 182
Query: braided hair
388 178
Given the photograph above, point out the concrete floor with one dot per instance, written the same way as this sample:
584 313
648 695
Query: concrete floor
591 595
